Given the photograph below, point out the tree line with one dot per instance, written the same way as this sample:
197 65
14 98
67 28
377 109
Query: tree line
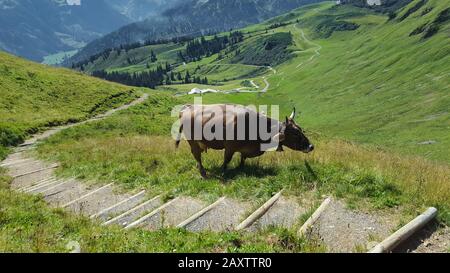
152 78
127 47
199 48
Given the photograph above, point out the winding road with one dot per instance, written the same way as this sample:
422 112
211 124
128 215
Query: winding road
317 48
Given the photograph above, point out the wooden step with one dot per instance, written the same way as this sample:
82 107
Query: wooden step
95 201
224 215
120 207
135 213
170 214
32 178
37 183
284 213
345 230
27 167
66 192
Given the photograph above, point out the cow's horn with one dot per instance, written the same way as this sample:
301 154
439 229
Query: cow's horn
294 113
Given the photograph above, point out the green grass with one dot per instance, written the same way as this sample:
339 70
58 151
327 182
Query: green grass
35 96
267 50
139 58
134 149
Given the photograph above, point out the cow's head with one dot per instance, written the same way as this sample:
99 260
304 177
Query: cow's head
292 136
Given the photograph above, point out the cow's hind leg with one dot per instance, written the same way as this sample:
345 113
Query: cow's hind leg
197 152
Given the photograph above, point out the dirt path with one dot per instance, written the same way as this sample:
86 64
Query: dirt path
317 48
254 84
238 90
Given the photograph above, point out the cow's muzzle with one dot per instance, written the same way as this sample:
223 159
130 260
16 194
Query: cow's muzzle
309 149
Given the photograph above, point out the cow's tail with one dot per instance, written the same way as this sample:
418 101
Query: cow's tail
180 132
178 141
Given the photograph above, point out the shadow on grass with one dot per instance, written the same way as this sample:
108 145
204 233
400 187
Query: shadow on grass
311 170
250 170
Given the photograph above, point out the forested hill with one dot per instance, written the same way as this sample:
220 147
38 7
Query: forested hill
193 17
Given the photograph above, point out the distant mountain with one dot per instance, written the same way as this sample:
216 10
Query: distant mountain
36 28
137 10
193 17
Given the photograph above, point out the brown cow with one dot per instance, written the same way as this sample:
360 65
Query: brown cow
246 140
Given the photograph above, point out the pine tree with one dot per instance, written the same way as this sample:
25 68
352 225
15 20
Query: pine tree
187 78
153 57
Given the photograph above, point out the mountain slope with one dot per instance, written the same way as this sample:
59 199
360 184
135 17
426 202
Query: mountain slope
34 29
355 74
386 83
193 17
35 96
137 10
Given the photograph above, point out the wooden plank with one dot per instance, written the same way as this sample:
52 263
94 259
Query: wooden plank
46 183
38 183
7 163
54 166
87 195
117 205
405 232
259 212
200 213
313 219
131 211
61 182
141 220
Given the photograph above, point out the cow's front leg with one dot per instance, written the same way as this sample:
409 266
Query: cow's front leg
227 159
197 152
242 164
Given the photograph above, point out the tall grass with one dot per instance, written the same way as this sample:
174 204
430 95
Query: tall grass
134 150
35 96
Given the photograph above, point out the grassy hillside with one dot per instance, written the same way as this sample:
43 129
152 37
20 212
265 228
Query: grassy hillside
354 73
138 59
381 83
135 150
34 96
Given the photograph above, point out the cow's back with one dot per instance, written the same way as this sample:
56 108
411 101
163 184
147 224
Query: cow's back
246 136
